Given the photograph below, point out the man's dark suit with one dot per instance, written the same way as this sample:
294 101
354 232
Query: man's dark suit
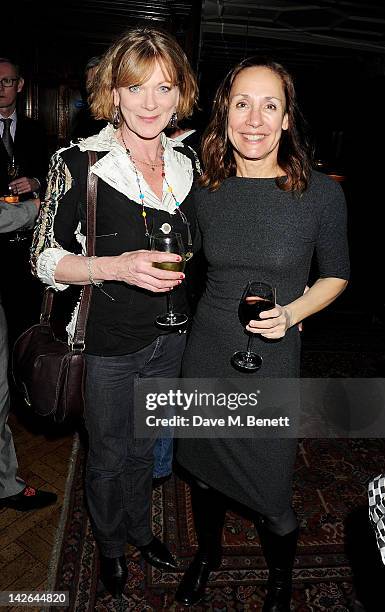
30 152
17 285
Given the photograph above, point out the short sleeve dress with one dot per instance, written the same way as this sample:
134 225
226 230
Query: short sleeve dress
251 229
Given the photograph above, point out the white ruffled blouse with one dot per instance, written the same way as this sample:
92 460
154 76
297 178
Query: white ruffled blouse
116 169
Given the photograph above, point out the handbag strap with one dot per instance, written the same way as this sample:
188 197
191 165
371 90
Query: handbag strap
92 186
84 306
46 306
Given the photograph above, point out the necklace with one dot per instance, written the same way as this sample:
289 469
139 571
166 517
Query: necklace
141 194
152 165
189 251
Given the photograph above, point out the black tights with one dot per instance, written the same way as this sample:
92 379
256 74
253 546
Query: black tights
280 524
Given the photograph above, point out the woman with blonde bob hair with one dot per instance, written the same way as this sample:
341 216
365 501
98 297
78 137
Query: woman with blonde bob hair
131 60
142 85
262 213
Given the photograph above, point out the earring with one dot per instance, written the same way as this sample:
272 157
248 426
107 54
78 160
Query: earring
173 121
116 117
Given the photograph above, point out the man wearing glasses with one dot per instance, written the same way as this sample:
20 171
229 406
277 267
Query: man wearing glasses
23 168
23 141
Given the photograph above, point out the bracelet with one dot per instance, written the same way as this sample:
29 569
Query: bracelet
90 276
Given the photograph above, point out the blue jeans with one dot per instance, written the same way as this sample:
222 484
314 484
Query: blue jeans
119 466
163 456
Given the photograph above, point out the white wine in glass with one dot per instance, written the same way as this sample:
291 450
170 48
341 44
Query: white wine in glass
169 243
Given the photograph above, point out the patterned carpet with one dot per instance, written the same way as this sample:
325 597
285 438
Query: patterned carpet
337 563
338 567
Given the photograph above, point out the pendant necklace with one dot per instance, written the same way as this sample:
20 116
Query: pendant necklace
189 251
152 165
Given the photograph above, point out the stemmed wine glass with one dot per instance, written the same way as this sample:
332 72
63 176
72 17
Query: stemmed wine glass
13 169
169 243
13 172
256 297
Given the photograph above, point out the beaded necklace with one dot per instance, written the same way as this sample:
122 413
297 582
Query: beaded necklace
189 251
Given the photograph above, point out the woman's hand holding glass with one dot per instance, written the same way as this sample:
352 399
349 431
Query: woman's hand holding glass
137 268
274 323
255 297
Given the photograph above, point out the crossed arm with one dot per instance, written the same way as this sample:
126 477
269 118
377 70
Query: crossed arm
18 216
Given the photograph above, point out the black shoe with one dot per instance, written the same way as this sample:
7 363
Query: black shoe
113 574
29 499
158 555
193 584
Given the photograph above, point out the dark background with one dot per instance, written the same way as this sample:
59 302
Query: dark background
336 51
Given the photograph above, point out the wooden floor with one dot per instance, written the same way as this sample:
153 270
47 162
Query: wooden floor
26 538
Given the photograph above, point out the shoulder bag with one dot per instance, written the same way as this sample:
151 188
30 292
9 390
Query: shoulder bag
49 372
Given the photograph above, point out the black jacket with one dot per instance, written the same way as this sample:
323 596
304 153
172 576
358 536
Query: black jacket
30 152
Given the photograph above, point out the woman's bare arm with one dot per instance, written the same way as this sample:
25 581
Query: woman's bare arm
133 268
274 323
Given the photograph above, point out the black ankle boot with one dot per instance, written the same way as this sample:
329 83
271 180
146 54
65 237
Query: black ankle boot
193 584
113 574
209 512
279 587
279 553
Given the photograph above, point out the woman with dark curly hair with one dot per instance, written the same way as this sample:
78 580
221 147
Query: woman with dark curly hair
262 212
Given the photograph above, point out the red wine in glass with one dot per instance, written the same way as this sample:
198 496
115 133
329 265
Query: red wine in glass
256 298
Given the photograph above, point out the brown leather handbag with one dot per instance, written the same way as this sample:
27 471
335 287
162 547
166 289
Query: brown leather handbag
49 372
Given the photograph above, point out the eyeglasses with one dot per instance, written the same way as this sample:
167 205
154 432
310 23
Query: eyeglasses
8 81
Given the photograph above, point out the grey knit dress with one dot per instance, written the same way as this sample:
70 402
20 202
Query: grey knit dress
252 230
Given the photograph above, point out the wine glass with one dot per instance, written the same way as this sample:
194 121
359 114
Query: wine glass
12 172
256 297
169 243
12 169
